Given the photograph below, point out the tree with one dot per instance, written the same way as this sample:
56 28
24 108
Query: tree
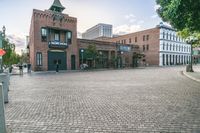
11 57
184 16
181 14
91 52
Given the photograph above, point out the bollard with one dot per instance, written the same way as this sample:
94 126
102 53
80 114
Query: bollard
2 115
4 81
8 78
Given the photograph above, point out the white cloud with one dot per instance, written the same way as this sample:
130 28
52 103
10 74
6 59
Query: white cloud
131 18
125 29
19 42
154 16
79 34
156 7
140 22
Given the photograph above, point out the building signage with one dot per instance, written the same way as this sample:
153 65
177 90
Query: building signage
125 48
57 44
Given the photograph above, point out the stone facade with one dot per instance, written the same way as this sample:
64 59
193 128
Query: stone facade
48 32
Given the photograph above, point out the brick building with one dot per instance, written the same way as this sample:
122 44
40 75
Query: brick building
160 45
53 39
109 54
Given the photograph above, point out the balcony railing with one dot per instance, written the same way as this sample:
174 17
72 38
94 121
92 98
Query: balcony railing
58 44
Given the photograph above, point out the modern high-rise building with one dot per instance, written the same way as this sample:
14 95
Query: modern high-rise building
98 31
53 39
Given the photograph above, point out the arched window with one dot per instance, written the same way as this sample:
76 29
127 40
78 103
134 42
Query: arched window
163 59
167 36
163 34
167 46
163 46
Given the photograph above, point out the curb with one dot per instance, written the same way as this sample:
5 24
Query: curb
195 79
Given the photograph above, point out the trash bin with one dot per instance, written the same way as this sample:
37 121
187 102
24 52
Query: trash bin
8 77
29 68
188 68
2 114
5 83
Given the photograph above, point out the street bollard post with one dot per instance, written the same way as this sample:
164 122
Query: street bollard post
4 81
2 114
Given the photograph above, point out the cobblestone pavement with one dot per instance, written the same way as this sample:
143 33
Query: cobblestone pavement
155 100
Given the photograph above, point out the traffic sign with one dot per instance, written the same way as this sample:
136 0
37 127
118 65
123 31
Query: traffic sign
2 52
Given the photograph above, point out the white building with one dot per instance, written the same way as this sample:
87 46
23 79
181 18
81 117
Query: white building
173 49
99 30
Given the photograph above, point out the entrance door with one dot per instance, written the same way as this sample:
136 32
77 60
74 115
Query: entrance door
57 57
135 62
73 62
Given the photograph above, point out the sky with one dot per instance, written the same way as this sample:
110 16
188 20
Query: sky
126 16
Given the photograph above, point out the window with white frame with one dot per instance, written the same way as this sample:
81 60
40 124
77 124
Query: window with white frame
39 59
57 37
69 37
44 34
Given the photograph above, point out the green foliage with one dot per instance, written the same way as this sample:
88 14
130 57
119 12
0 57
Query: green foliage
91 51
11 57
185 33
183 15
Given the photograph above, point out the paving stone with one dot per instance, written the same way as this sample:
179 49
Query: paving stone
156 100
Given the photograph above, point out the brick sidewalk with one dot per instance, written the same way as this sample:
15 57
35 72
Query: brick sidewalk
151 100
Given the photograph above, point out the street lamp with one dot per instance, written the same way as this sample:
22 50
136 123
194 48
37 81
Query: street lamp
122 57
82 51
101 59
4 31
190 41
2 37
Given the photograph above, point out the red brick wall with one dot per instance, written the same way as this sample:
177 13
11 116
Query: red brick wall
45 19
152 55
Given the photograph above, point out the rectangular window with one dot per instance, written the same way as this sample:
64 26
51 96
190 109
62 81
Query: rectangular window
69 37
147 47
129 40
135 39
144 38
143 47
147 37
124 41
44 34
57 37
163 35
39 59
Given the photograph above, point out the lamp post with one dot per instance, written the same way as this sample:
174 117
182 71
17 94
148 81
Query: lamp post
4 31
100 53
2 37
122 58
190 41
82 51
